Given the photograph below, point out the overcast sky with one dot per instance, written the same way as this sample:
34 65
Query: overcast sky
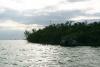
18 15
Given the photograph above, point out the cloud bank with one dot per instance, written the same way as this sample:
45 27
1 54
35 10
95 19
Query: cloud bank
21 14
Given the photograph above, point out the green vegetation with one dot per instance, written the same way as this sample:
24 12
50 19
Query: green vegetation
67 34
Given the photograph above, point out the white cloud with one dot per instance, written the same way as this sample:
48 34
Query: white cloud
79 5
2 10
94 7
88 6
12 25
84 18
22 5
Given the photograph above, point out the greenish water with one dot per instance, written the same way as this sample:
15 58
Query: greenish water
19 53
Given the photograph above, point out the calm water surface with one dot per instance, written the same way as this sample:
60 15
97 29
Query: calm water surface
19 53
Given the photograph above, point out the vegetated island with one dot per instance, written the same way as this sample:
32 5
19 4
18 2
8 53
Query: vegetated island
67 34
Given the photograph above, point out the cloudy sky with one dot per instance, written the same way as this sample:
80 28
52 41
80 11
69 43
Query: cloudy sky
18 15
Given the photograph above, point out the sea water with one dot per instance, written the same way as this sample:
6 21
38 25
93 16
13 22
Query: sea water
20 53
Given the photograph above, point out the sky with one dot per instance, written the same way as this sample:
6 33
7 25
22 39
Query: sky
16 16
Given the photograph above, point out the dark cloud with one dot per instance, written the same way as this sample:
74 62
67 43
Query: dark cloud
76 0
14 15
53 17
57 17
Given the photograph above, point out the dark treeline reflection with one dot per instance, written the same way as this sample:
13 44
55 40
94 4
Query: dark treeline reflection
67 34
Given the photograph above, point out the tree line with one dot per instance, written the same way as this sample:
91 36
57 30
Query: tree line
67 34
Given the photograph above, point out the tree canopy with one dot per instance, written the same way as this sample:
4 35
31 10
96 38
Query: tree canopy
67 34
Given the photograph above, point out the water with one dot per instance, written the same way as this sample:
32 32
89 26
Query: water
19 53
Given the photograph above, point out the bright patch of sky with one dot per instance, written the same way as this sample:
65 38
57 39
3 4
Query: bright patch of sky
9 24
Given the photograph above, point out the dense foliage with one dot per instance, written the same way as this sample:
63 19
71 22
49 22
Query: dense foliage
67 34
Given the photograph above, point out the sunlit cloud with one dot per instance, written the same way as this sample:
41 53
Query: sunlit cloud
12 25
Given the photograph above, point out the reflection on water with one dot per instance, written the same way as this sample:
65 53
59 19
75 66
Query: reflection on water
19 53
